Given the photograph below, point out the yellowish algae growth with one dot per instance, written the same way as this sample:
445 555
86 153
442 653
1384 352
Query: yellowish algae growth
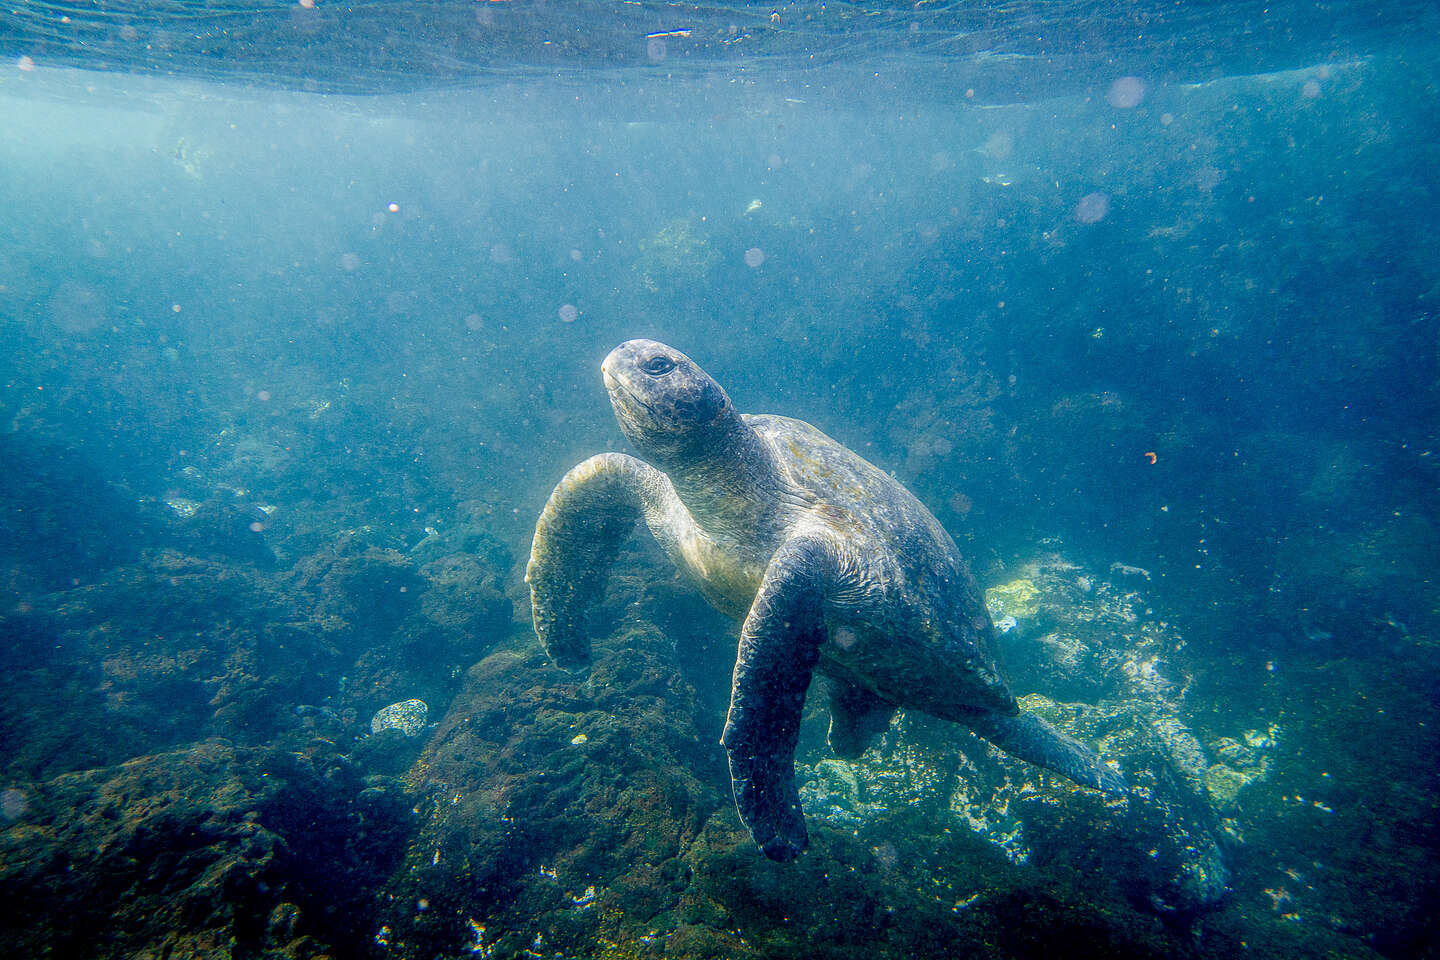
839 777
1240 764
1224 784
1018 599
679 252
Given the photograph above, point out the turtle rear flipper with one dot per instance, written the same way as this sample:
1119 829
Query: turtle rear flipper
591 511
856 716
779 647
1031 739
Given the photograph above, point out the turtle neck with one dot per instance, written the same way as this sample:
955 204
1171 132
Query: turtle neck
726 476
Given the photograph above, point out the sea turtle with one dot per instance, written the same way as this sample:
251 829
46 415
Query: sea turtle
831 563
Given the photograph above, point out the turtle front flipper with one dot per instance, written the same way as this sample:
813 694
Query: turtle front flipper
1027 737
779 647
591 510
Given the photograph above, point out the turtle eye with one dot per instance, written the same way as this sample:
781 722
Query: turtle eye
658 366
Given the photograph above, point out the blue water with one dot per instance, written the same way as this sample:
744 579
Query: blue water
1139 286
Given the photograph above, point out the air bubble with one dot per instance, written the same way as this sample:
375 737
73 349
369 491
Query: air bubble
1126 93
1092 207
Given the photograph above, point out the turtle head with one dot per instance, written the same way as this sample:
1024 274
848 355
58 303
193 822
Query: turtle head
662 399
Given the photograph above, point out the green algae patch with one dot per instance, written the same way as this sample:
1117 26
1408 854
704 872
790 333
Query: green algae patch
1018 598
1224 783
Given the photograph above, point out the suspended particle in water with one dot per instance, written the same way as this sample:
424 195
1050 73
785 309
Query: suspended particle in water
1311 90
26 63
576 255
999 146
1092 207
754 257
569 313
1125 93
13 803
393 207
78 307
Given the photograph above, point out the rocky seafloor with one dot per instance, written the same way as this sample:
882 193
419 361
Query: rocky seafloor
200 762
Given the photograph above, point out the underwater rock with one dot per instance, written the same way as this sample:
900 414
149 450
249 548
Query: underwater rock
173 648
470 533
1238 764
60 522
219 527
361 592
1224 783
368 601
593 819
209 852
1158 841
407 716
1161 838
159 653
541 787
465 598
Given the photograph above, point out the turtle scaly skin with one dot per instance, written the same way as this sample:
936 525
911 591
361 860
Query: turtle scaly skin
830 563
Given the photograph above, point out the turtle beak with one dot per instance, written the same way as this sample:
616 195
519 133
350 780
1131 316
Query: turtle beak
609 367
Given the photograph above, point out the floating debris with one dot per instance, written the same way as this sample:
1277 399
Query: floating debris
407 716
185 509
1125 570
